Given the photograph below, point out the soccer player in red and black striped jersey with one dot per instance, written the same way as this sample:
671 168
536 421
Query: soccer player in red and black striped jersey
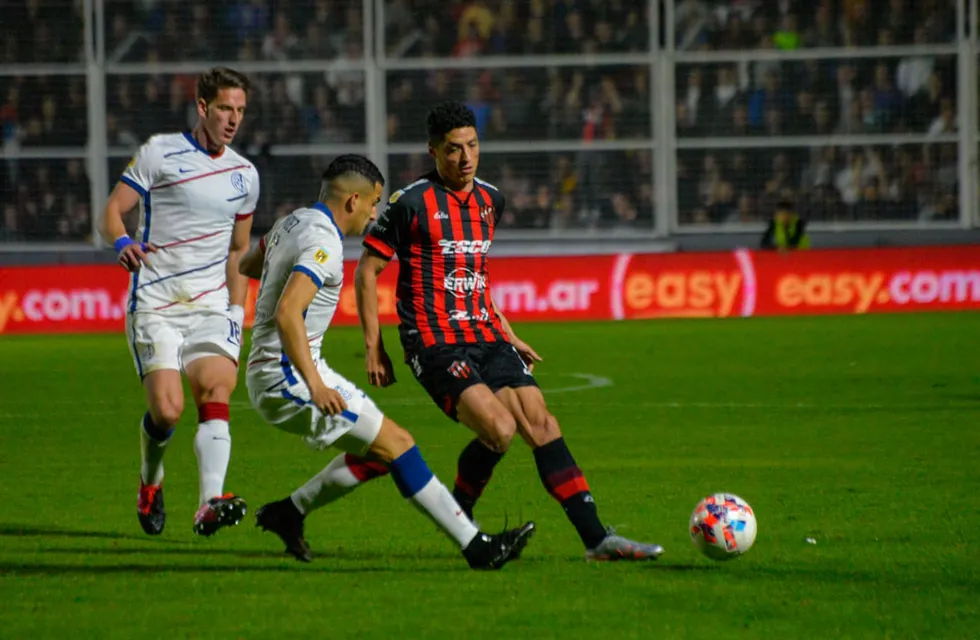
458 344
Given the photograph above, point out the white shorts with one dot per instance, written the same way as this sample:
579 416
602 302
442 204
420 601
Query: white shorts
280 395
158 341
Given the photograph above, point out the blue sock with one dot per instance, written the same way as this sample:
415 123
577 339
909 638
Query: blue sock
155 432
410 472
417 483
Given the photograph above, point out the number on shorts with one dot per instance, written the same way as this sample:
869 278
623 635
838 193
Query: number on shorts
234 333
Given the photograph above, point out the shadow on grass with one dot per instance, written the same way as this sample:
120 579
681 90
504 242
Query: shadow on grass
203 550
51 569
902 578
339 554
963 397
33 530
679 568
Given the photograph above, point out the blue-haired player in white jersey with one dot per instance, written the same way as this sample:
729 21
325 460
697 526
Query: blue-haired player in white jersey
300 263
187 299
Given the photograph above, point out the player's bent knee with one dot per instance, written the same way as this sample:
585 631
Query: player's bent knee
216 393
500 432
392 441
543 430
166 413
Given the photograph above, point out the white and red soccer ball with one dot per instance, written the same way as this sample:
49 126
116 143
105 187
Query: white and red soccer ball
723 526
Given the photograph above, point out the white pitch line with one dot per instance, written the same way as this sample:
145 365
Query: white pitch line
591 382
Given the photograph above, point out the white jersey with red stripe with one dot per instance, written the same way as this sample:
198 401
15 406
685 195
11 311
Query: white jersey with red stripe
189 202
307 241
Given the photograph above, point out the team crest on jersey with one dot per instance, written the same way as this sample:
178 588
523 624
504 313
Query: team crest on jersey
321 256
487 212
238 181
394 197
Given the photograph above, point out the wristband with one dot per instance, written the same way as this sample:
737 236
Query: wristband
121 243
237 313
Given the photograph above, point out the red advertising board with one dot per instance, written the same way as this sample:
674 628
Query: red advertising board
61 299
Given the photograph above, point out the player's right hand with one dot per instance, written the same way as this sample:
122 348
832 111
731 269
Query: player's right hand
381 373
133 256
327 400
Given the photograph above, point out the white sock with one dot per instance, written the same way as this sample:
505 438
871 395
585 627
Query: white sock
435 500
212 444
151 454
333 483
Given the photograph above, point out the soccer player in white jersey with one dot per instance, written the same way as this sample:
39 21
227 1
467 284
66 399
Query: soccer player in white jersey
186 296
301 266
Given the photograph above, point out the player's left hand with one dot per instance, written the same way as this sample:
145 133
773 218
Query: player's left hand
133 255
380 371
528 355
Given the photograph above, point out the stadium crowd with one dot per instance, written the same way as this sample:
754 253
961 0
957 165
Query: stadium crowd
916 93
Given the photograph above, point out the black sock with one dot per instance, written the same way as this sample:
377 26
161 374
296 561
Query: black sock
475 467
566 484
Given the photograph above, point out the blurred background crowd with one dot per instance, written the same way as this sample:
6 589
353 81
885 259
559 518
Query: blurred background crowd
731 118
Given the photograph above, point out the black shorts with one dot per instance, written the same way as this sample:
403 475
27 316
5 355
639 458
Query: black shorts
446 371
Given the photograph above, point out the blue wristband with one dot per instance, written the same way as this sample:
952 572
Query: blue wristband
121 243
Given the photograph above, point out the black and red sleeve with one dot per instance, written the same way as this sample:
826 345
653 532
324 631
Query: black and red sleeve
391 230
499 203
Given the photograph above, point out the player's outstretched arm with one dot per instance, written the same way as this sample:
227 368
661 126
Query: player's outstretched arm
131 254
529 355
380 371
296 297
251 263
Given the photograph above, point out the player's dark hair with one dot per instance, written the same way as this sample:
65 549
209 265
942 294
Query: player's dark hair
352 164
447 116
214 80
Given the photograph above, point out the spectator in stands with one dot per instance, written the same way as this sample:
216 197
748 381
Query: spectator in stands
781 178
946 121
770 96
746 210
787 37
727 94
888 100
786 230
853 121
742 173
722 205
281 43
537 215
739 125
925 105
819 171
774 125
822 32
913 72
693 95
823 125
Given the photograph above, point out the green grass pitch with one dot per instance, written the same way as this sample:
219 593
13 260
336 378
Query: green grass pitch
860 432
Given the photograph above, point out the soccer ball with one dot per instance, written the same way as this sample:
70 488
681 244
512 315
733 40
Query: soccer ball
723 526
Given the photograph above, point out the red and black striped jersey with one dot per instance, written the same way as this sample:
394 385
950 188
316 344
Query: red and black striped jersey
441 238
